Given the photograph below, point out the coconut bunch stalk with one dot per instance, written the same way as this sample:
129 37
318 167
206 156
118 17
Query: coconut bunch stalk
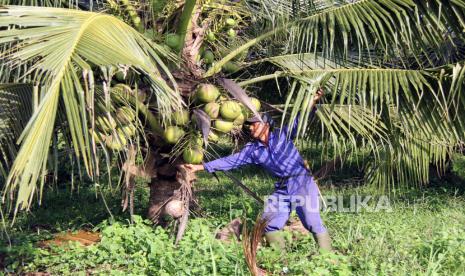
250 242
203 122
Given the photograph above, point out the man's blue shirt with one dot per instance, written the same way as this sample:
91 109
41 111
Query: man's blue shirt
281 158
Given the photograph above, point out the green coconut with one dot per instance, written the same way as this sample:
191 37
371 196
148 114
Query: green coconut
231 67
211 36
192 155
223 126
116 142
240 119
120 76
212 110
105 124
207 93
213 137
181 117
231 33
125 115
230 22
136 20
256 103
208 57
173 134
129 130
230 110
196 141
173 41
98 136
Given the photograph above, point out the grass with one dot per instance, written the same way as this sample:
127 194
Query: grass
423 233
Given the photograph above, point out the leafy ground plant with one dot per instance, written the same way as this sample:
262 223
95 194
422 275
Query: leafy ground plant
422 234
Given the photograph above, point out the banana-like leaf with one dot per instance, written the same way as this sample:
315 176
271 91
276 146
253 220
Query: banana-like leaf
61 49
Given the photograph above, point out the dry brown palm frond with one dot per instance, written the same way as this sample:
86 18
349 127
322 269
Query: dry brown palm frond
250 243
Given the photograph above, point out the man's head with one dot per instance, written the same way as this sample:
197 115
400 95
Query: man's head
259 127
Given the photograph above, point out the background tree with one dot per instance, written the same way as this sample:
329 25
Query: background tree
392 69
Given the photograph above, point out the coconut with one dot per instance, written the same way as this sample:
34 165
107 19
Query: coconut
127 92
208 57
211 36
196 140
181 117
173 41
230 67
105 124
136 20
213 137
231 33
98 136
125 115
240 119
223 126
212 110
174 208
256 103
116 142
120 76
230 110
129 130
126 89
230 22
207 93
173 134
192 155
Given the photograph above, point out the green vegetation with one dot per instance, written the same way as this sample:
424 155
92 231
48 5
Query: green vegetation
132 87
423 234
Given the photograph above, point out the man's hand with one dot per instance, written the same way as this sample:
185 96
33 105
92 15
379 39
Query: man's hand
319 93
193 168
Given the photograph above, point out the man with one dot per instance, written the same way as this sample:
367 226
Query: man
276 153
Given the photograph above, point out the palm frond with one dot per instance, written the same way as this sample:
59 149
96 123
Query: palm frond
404 120
400 28
16 108
390 26
62 48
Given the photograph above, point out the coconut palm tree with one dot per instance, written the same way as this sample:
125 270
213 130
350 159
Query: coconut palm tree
393 70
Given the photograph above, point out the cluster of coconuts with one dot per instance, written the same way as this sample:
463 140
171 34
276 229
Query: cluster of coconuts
125 7
172 134
114 131
230 32
226 115
227 30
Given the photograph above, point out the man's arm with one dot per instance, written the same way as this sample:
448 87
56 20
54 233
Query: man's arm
244 157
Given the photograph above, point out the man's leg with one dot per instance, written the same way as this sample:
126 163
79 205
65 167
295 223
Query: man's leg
276 213
308 209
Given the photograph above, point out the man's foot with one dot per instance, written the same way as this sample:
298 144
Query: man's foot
276 240
324 242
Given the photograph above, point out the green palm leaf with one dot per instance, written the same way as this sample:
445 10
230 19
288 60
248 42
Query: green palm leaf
400 28
60 49
411 117
16 107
